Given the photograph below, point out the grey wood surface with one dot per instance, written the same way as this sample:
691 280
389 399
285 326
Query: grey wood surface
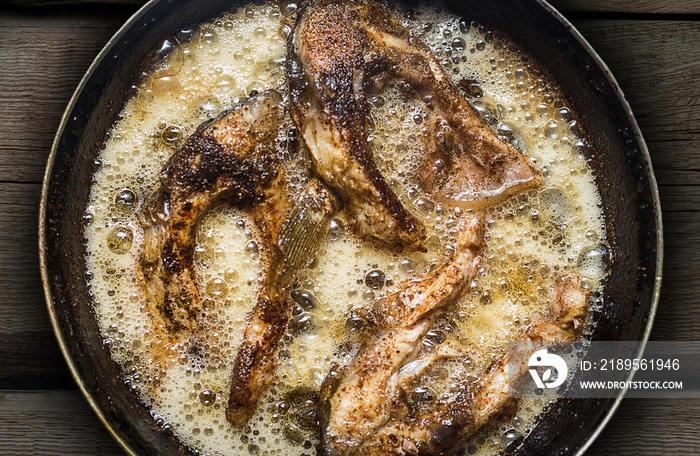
630 6
44 51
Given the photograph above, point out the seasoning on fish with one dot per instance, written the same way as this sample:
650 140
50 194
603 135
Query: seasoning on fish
359 398
297 243
230 158
339 55
366 411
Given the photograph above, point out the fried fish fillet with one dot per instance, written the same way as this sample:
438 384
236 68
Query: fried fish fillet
339 55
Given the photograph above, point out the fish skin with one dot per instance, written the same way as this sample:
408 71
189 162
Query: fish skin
340 54
228 159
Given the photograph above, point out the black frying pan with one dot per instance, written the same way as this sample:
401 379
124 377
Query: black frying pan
619 158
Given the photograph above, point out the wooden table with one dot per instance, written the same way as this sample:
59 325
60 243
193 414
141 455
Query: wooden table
652 49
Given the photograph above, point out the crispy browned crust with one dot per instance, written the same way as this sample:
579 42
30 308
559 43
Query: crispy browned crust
442 429
340 53
324 86
256 359
231 158
297 243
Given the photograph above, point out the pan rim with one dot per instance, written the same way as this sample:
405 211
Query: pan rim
43 264
656 201
134 19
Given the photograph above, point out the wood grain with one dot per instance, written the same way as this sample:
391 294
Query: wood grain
627 6
50 423
45 51
651 427
27 344
43 58
619 6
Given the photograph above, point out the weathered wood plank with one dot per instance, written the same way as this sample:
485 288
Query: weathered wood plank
621 6
651 427
629 6
49 423
43 57
27 345
656 63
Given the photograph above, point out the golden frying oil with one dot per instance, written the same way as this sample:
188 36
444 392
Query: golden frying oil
531 238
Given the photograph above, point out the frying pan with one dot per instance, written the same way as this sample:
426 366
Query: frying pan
618 156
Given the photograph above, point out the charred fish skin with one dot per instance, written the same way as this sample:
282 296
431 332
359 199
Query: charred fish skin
233 158
329 104
230 158
297 243
339 54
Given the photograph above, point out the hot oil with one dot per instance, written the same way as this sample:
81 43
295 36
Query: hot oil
531 239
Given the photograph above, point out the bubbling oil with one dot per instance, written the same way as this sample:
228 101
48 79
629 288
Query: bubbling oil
531 239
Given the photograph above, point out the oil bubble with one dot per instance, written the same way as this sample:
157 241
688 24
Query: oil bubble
520 74
120 239
146 97
305 299
225 83
591 261
375 279
231 274
189 35
207 397
217 288
556 206
552 130
293 434
407 266
509 436
209 37
591 235
126 200
563 115
204 255
166 87
284 31
335 230
167 59
171 135
425 204
251 248
208 107
458 44
542 108
301 323
289 8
